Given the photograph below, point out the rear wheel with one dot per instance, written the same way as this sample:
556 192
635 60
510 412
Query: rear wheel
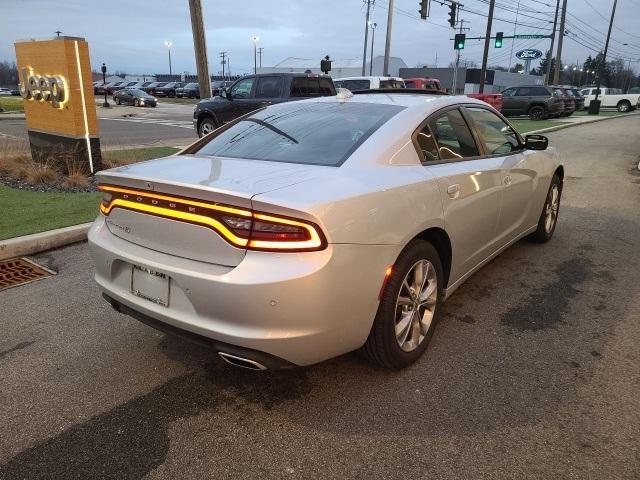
409 308
117 101
536 112
136 103
206 127
549 216
624 106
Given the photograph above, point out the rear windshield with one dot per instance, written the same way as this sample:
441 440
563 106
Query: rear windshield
354 85
308 133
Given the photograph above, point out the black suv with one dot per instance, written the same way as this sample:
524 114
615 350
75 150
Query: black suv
537 101
169 89
256 91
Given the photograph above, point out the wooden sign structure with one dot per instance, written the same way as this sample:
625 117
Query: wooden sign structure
59 105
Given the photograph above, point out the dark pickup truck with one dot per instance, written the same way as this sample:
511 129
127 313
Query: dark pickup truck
257 91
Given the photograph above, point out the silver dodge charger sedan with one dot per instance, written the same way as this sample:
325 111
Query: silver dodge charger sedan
309 229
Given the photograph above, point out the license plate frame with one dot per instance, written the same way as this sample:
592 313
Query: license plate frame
151 285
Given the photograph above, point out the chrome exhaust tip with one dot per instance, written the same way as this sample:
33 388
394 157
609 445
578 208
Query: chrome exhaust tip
241 362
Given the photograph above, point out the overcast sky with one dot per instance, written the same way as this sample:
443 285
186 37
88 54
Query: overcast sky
129 35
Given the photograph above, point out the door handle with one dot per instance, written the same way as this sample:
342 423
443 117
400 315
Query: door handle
507 180
453 190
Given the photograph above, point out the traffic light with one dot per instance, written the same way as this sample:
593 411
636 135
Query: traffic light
325 65
458 42
452 14
498 43
424 9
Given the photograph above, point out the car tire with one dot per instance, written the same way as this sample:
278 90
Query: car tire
171 94
385 345
118 101
206 126
136 103
537 112
549 216
624 106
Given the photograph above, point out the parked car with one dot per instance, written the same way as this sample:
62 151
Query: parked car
218 85
5 92
285 238
536 101
356 84
15 93
257 91
612 98
123 85
153 86
493 99
135 97
577 96
189 90
426 83
568 99
107 88
169 89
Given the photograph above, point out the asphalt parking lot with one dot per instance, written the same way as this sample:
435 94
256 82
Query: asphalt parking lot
533 372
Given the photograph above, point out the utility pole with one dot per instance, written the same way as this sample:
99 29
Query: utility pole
547 75
455 70
366 37
485 55
513 40
200 47
260 56
603 66
387 45
223 56
556 73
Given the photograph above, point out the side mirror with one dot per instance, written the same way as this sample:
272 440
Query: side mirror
536 142
223 93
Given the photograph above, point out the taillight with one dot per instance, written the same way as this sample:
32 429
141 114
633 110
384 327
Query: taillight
240 227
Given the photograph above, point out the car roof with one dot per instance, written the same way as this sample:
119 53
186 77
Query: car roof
417 101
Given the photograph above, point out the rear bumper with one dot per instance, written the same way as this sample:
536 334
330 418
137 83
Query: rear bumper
300 308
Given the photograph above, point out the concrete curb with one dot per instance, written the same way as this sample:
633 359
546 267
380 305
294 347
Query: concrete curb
586 122
39 242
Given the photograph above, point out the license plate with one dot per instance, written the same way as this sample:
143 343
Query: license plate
150 285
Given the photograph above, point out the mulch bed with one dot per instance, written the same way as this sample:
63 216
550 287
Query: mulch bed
54 187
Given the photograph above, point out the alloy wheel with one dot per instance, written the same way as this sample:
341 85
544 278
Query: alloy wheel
206 128
552 207
415 305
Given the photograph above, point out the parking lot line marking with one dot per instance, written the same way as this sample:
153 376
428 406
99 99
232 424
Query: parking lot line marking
155 121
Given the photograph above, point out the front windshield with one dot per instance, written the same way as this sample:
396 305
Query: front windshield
310 133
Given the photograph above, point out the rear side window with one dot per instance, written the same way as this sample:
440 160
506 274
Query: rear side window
539 92
392 83
326 87
305 87
310 133
453 137
268 87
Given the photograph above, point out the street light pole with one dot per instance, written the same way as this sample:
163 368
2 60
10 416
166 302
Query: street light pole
168 45
255 54
373 37
104 82
487 39
366 32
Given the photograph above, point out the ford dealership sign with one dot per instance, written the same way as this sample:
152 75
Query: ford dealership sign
528 54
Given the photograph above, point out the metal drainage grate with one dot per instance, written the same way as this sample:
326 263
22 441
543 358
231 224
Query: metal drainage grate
19 271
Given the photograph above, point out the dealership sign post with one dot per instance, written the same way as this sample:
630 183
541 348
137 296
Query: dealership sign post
60 109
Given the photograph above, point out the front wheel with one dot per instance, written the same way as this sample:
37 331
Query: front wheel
136 103
206 127
409 308
549 216
117 101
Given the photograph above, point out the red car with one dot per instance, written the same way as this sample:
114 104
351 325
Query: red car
426 83
493 99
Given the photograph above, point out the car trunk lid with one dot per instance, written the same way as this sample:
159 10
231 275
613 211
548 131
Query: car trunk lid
166 200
